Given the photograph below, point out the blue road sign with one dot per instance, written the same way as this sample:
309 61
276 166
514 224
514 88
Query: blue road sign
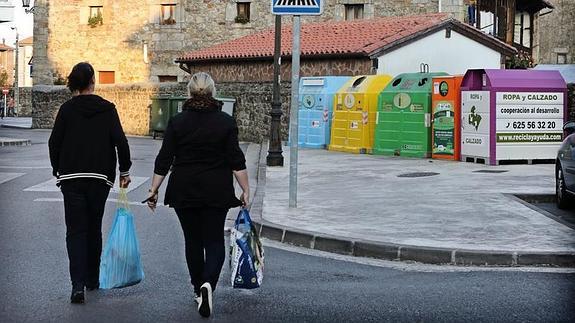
297 7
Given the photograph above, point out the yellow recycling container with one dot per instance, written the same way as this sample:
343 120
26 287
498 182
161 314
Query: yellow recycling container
354 110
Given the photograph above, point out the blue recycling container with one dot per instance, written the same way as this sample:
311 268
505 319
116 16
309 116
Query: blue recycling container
315 110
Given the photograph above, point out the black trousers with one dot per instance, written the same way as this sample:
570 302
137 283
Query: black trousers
84 202
205 247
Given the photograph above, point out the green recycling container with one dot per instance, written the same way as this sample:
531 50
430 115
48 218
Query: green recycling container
403 118
176 103
160 114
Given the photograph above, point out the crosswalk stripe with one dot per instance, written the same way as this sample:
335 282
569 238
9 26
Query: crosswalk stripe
50 185
6 177
110 200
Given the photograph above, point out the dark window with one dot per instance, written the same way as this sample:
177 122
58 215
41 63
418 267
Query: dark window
96 16
353 11
243 13
561 58
167 14
107 77
167 78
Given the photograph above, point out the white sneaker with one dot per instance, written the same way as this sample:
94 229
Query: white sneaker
205 304
197 298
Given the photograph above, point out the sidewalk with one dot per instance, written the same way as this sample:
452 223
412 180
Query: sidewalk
16 122
375 206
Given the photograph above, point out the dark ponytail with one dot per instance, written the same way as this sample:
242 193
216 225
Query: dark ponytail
80 77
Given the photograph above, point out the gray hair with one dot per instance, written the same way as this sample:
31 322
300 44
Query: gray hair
202 83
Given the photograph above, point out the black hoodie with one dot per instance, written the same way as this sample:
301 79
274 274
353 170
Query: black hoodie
83 143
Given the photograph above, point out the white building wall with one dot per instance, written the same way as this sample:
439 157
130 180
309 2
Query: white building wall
24 56
6 11
454 55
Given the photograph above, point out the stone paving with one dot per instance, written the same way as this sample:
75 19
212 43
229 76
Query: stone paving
361 197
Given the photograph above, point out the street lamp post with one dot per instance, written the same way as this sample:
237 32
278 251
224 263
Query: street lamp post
275 157
16 76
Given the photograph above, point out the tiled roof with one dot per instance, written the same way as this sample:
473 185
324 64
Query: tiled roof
342 38
26 41
4 47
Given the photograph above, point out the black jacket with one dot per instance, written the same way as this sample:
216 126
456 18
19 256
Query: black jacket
83 143
201 147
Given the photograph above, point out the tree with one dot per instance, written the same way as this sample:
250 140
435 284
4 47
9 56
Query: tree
3 78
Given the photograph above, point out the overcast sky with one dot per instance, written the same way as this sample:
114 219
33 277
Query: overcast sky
24 22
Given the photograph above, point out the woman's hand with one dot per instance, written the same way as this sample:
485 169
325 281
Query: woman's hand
245 198
125 181
152 200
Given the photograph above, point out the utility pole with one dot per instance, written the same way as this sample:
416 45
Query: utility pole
16 75
275 157
294 116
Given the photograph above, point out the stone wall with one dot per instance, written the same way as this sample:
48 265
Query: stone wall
556 34
25 102
64 38
262 71
253 104
132 102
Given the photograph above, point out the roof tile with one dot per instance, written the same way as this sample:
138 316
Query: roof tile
325 38
359 37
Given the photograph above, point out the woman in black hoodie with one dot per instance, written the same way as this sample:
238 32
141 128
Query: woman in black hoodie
86 134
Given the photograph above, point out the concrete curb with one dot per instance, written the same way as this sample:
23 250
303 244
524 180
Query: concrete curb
14 142
14 126
391 251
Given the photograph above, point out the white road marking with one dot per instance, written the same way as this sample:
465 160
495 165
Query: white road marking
50 185
26 167
5 177
110 200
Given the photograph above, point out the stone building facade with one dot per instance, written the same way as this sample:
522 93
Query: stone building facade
138 40
555 42
262 70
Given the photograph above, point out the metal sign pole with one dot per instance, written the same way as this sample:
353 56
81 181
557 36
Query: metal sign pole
294 112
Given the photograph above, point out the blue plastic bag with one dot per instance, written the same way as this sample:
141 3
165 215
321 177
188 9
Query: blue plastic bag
246 253
120 264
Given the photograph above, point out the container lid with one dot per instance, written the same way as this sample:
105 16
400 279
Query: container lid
516 80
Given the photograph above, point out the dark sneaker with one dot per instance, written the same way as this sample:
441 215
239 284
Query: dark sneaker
77 297
205 305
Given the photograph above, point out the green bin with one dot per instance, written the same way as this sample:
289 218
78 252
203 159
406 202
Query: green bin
403 119
176 104
160 114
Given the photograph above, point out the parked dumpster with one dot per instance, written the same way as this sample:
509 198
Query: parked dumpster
354 113
159 115
512 115
315 110
446 117
403 120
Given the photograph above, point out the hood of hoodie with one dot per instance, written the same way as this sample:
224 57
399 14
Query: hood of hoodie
91 105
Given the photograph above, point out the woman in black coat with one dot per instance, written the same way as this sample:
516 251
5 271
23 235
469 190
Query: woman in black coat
201 148
86 134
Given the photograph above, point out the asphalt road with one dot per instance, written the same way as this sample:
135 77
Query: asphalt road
299 285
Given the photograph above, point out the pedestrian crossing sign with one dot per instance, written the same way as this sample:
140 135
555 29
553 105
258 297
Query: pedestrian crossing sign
297 7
